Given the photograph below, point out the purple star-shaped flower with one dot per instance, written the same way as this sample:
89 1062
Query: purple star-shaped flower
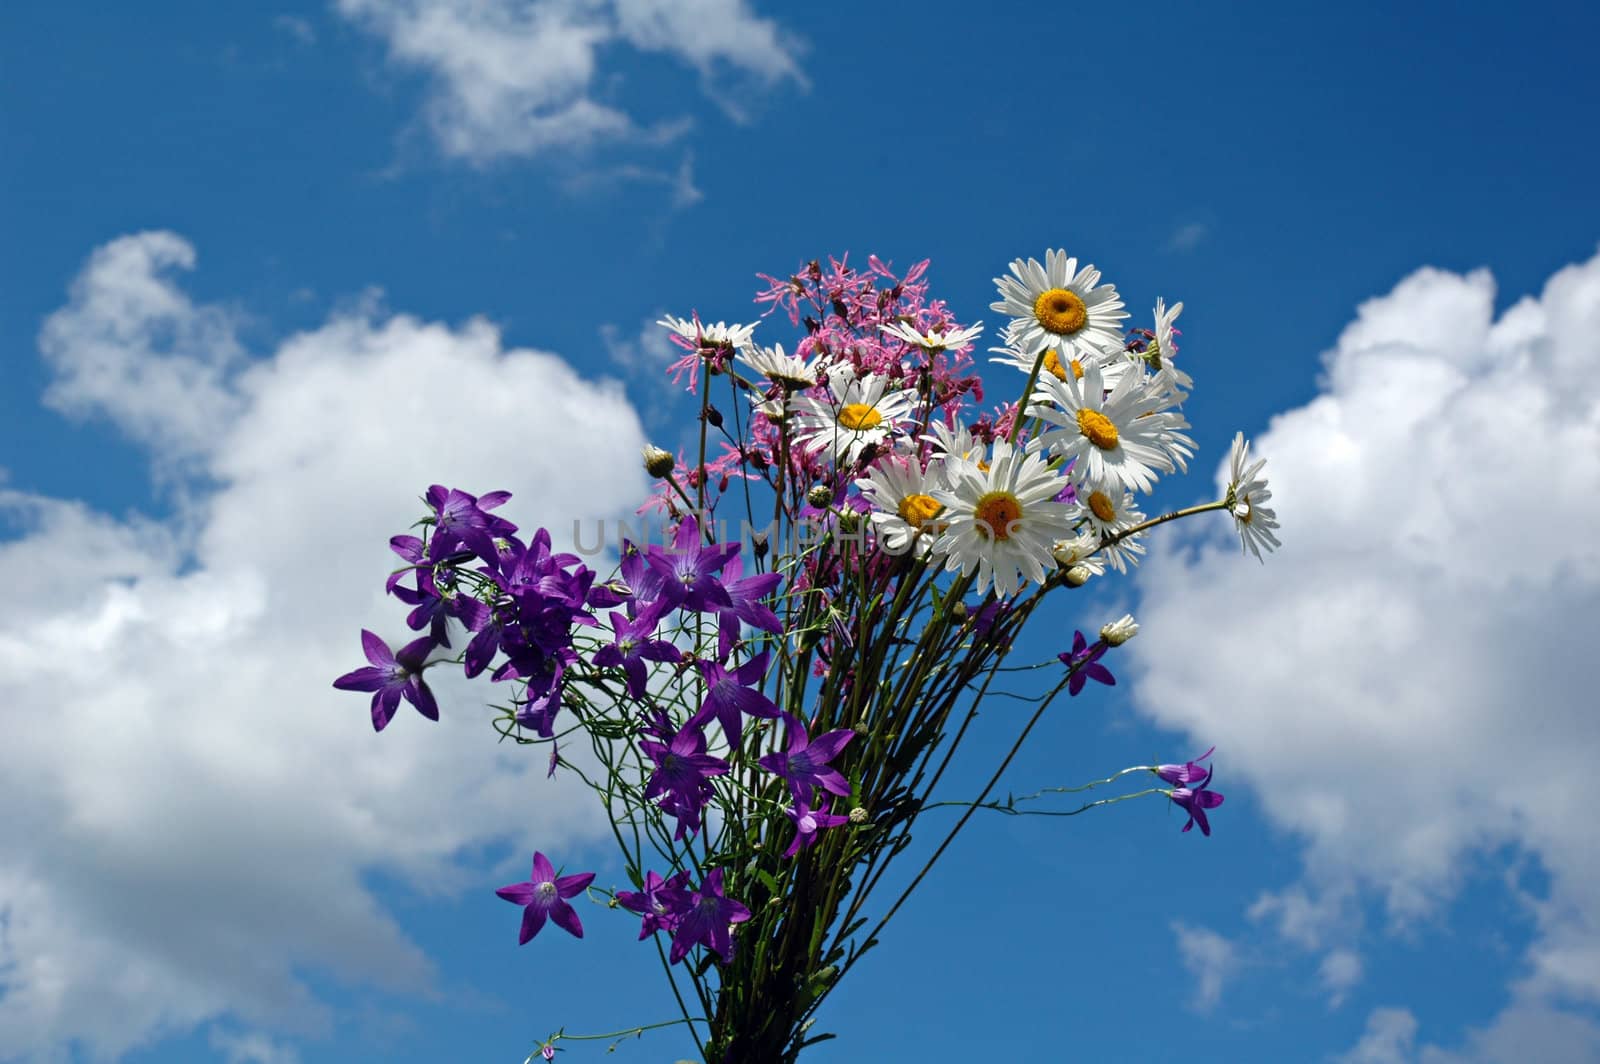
1084 661
544 897
745 593
807 822
1195 801
462 519
661 903
688 570
731 693
707 921
634 645
1187 772
805 763
682 775
391 677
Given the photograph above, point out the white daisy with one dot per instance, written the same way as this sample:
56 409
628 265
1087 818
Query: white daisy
1168 377
1247 492
791 371
1079 550
1121 438
953 444
1107 512
1058 305
1112 366
933 341
859 413
1003 521
903 512
702 335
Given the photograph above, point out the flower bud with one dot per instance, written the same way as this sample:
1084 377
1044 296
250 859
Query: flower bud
713 417
819 496
1078 575
658 463
849 522
858 815
758 541
1119 631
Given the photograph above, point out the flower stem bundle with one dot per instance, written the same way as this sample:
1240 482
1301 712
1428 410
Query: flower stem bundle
766 709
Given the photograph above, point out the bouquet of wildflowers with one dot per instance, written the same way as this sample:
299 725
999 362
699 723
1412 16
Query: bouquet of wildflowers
770 710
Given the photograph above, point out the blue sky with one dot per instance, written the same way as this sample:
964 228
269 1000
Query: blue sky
271 270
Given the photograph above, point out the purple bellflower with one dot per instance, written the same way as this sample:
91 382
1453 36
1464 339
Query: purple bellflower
688 570
662 902
807 822
634 645
1195 801
707 921
391 677
1187 772
805 763
731 693
1084 661
545 897
462 520
682 776
745 593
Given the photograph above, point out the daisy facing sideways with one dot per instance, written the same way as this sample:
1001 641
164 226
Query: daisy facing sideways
1247 498
1002 521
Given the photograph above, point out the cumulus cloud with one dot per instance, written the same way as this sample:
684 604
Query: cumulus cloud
517 77
191 809
130 346
1389 1038
1211 961
1417 655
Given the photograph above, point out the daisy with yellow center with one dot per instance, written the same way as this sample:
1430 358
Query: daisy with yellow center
1058 305
1106 511
1248 495
934 340
858 413
1120 439
791 371
1002 521
904 516
1061 365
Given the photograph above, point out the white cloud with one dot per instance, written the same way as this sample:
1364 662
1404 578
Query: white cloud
300 29
516 77
190 806
1405 685
1339 972
251 1048
649 345
1188 236
1390 1038
1211 961
131 346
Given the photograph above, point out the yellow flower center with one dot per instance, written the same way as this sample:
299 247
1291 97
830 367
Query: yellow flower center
1052 363
918 511
1102 506
859 417
995 513
1098 428
1060 311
